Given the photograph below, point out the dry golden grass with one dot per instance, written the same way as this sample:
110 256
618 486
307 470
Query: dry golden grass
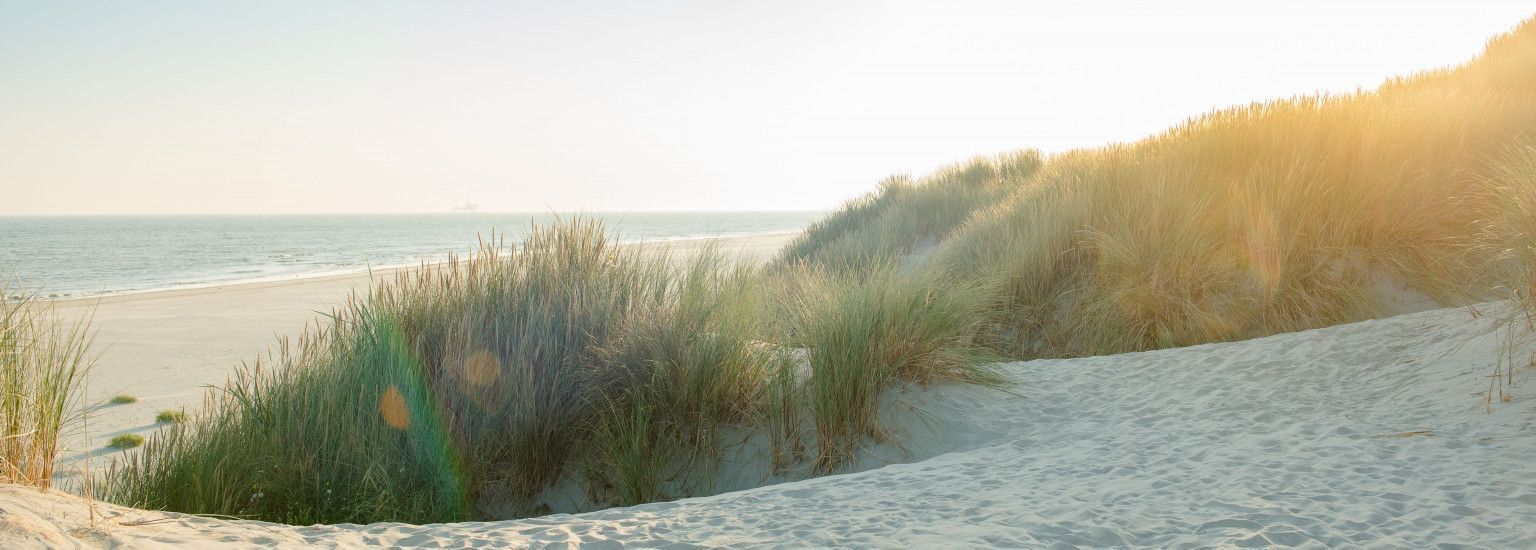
1506 244
1244 222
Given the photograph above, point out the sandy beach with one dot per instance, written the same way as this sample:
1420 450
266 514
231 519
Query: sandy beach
1369 433
166 348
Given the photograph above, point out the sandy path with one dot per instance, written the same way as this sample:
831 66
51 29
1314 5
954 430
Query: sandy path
167 347
1365 434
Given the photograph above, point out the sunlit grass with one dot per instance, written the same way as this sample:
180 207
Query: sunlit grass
43 367
1248 221
123 399
904 217
1507 244
1508 235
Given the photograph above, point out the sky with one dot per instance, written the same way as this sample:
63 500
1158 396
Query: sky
213 107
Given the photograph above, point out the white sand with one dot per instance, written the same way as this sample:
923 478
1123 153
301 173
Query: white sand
166 348
1365 434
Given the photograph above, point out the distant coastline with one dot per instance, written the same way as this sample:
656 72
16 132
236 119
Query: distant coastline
73 257
775 237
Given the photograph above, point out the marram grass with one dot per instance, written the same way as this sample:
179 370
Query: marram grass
866 333
904 217
1508 246
471 389
1245 222
43 367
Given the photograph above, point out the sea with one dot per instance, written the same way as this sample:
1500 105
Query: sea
71 256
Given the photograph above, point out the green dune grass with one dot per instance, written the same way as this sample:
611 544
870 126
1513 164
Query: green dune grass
125 441
488 380
43 367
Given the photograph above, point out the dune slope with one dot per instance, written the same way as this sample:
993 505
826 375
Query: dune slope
1374 432
1247 221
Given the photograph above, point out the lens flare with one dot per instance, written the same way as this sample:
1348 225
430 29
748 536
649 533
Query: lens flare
407 405
1261 247
481 369
392 408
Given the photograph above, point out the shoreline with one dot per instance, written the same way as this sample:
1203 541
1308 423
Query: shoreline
383 270
168 347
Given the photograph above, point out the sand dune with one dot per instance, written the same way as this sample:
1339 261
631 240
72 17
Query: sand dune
1370 433
166 348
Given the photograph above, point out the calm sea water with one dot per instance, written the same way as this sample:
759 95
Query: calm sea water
72 256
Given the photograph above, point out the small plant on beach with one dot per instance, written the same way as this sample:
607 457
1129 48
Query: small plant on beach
126 441
123 399
172 417
43 366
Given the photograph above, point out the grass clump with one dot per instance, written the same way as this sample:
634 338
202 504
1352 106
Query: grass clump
683 367
43 367
172 417
871 332
434 390
123 399
474 388
126 441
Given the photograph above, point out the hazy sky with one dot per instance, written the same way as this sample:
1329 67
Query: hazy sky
203 107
